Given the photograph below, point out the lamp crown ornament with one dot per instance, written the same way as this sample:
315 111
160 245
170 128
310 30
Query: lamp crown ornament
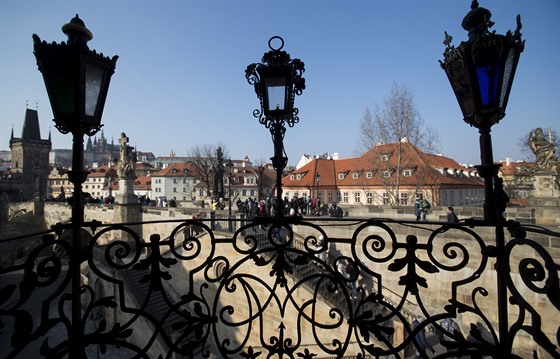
477 21
77 31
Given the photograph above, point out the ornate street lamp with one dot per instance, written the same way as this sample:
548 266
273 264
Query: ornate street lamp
77 80
276 81
481 72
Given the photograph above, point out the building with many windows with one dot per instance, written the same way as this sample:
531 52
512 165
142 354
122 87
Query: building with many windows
250 181
177 181
389 174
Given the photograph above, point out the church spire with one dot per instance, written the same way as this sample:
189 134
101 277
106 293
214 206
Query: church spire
31 129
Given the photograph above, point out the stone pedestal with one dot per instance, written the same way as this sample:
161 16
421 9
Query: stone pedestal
545 198
126 192
127 209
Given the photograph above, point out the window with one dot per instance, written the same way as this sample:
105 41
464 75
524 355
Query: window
385 198
407 173
244 193
369 174
174 189
298 177
184 189
296 194
252 193
355 175
330 197
386 174
338 196
341 176
345 197
369 197
384 158
404 199
201 192
357 197
292 177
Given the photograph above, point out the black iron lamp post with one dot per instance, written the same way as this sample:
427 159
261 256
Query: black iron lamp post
277 80
77 80
481 72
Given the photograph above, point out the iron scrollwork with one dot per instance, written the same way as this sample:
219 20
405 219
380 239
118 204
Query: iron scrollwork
282 287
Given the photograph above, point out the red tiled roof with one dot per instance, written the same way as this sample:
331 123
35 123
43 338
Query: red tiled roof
424 168
177 170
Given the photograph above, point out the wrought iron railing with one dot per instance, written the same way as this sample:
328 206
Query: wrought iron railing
268 289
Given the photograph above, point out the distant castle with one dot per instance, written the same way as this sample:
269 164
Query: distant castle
96 151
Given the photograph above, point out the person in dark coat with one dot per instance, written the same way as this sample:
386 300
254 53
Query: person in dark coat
451 216
421 339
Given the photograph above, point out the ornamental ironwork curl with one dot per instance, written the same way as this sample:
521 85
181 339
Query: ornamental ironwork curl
282 287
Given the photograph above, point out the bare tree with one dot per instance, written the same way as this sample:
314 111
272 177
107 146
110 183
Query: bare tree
397 121
208 161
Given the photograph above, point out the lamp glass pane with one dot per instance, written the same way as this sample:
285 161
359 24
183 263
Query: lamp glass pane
488 82
508 73
276 93
63 93
94 79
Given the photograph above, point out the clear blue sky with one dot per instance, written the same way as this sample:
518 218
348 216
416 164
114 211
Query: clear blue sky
180 79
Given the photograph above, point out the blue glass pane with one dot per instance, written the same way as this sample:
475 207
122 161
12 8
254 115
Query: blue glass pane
488 80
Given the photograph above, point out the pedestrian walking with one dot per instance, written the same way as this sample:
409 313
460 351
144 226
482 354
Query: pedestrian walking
424 208
421 340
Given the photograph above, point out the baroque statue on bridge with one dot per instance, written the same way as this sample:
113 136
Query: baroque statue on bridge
544 151
127 160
